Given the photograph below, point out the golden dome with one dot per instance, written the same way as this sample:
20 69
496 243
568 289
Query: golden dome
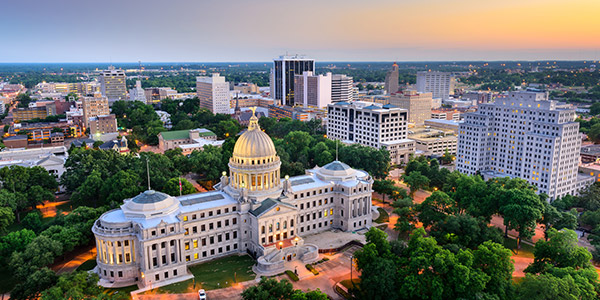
254 143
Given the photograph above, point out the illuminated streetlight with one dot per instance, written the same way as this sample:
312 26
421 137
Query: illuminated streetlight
280 245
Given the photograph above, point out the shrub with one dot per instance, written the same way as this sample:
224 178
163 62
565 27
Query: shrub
292 275
312 269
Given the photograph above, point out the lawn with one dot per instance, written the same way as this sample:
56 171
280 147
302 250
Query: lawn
122 291
87 265
525 251
212 275
347 284
383 216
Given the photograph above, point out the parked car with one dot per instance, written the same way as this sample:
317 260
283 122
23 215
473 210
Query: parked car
202 295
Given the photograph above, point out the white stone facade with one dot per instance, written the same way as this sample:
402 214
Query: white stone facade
524 135
153 237
373 125
439 84
213 92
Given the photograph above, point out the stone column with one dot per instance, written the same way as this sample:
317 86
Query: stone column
115 256
168 252
148 257
124 261
158 255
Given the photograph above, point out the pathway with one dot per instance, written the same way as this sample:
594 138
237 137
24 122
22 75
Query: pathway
74 263
48 209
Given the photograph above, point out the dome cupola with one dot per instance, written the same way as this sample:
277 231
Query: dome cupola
254 164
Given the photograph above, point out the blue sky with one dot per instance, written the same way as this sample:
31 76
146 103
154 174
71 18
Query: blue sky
333 30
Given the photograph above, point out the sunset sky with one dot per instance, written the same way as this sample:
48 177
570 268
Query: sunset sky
327 30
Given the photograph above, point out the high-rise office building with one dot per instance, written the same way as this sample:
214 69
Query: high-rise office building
213 92
391 80
282 77
137 93
372 125
439 84
417 104
113 84
93 107
524 135
102 124
341 88
312 90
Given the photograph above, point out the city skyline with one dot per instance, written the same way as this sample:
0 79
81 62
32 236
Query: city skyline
237 31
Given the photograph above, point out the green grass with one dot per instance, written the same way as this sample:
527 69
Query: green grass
87 265
525 251
212 275
121 291
348 284
383 216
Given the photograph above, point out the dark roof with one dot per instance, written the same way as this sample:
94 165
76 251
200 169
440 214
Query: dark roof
336 166
149 196
264 206
246 115
341 103
16 137
111 144
79 142
390 106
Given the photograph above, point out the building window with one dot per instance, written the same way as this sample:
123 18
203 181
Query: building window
157 277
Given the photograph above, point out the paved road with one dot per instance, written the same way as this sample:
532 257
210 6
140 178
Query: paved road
48 209
74 263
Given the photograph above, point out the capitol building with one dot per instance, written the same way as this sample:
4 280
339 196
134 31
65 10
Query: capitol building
153 237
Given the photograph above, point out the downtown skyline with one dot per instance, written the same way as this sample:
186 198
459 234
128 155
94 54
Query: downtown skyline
239 31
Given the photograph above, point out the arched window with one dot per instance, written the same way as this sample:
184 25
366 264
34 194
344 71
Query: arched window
277 226
270 227
263 229
292 223
284 224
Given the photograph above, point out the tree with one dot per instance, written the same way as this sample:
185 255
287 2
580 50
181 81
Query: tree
271 289
7 217
560 251
495 261
75 285
464 231
594 133
407 216
120 186
546 286
595 109
172 187
33 221
521 211
15 241
384 187
415 181
435 208
88 193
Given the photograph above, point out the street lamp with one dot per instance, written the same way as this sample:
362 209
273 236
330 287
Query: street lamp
280 245
296 240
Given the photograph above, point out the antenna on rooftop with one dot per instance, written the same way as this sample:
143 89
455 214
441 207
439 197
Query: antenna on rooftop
148 173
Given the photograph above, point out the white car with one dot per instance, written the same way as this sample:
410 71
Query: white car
201 295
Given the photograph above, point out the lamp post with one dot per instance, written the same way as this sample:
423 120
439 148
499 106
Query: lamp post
296 241
280 245
351 261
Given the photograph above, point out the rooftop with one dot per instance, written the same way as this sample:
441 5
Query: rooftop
184 134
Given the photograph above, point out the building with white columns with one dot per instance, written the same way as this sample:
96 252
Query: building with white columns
153 237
